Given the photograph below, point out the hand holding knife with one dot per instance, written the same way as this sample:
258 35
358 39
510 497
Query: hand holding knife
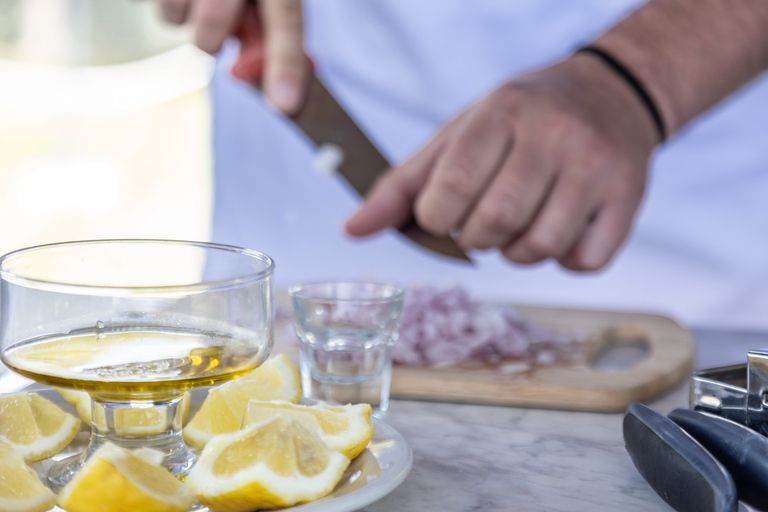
327 124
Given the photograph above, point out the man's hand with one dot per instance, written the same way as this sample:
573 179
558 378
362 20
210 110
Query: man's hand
271 41
550 165
553 164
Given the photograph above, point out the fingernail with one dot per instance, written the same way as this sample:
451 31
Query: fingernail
345 224
248 67
595 256
351 224
284 96
238 70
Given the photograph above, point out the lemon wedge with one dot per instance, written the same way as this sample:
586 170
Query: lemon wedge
20 488
274 464
120 480
37 428
346 429
80 399
223 409
128 422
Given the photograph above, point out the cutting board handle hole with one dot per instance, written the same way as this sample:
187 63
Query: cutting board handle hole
619 349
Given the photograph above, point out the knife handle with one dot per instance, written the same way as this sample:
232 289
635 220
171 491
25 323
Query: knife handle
742 451
676 466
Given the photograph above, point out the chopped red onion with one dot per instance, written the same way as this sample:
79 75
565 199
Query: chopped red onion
445 328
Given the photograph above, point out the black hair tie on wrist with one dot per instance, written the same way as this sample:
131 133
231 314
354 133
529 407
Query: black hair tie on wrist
633 82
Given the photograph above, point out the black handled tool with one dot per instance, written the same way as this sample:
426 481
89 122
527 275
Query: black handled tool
677 467
742 451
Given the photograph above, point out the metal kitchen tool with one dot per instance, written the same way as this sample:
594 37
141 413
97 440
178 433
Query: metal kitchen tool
326 123
676 466
737 392
742 451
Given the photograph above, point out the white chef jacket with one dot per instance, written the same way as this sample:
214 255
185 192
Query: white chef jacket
402 68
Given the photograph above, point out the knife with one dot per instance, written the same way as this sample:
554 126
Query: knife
742 451
327 124
677 467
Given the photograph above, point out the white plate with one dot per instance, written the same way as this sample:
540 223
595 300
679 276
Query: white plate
373 474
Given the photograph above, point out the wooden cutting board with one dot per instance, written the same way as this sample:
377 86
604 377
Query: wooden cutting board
578 386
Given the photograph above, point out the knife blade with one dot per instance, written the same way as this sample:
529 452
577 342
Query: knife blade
325 122
677 467
742 451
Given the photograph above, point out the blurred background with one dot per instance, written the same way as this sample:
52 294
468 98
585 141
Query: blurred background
104 124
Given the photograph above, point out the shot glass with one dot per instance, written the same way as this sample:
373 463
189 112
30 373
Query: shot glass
346 331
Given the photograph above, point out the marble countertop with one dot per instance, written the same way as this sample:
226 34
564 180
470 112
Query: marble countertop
492 458
487 458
